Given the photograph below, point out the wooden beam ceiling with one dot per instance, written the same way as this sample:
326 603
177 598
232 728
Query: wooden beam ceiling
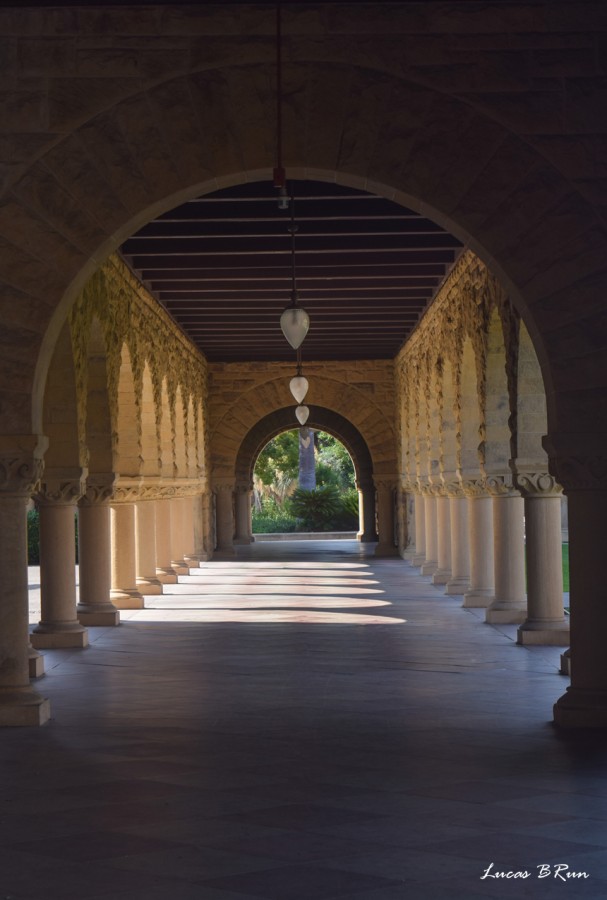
366 269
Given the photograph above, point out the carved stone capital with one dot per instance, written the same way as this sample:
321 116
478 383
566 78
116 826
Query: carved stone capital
454 489
475 487
224 487
537 484
61 487
21 463
127 491
99 489
384 483
501 485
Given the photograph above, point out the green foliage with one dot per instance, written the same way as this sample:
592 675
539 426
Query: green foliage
316 509
33 537
332 454
280 457
326 475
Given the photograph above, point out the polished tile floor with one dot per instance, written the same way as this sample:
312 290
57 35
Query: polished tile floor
302 723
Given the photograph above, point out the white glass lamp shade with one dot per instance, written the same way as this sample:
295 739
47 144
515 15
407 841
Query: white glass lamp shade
295 323
302 413
299 387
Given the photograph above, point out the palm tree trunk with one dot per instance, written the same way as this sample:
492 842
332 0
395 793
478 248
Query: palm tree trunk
307 461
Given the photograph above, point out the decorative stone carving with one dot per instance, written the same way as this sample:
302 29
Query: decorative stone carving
21 463
99 489
474 487
581 473
537 484
501 486
61 487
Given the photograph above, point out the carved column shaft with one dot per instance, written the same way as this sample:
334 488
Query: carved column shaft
94 556
443 540
178 562
385 519
224 514
459 582
545 622
430 565
145 541
510 603
420 530
242 499
366 514
482 574
59 626
20 471
164 570
124 593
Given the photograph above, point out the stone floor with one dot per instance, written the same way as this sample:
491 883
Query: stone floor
303 723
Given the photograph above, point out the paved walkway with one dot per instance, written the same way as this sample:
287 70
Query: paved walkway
303 723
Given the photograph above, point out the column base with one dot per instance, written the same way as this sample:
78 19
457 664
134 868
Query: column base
506 615
479 599
228 553
192 562
243 540
166 576
429 567
418 560
45 638
441 576
149 586
543 634
386 550
99 617
566 663
457 586
367 537
180 569
408 554
131 599
35 662
580 708
23 707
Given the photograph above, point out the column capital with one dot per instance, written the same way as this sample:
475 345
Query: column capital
475 487
578 462
127 490
21 463
385 482
537 484
99 489
243 487
501 485
61 487
224 485
453 488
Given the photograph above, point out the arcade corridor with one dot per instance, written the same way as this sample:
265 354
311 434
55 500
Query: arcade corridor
304 722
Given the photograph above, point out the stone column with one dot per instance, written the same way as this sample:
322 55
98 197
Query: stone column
94 554
224 516
20 471
366 512
385 517
178 563
59 625
510 603
242 502
480 518
124 593
430 565
189 540
164 571
420 530
145 543
581 470
202 515
443 539
459 582
545 622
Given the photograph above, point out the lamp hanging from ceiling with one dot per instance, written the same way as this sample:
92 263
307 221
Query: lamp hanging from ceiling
294 321
299 383
302 412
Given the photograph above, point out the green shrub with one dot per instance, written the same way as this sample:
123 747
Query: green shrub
317 509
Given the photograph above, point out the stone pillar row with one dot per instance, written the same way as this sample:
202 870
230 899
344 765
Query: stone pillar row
471 536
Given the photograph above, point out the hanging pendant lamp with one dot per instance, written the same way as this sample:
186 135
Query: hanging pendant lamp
294 321
299 387
302 413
